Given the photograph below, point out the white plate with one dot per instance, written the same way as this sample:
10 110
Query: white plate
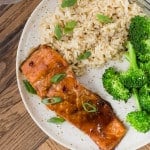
66 134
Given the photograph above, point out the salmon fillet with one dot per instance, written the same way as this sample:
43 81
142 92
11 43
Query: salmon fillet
102 125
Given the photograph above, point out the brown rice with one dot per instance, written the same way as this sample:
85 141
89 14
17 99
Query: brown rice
105 41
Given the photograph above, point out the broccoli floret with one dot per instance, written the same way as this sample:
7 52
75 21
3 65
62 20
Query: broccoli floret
144 98
146 46
119 84
113 86
144 55
139 35
134 77
145 67
144 58
139 32
140 120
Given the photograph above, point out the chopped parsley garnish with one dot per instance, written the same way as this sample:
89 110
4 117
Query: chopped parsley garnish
29 87
58 32
68 3
57 78
56 120
103 18
53 100
85 55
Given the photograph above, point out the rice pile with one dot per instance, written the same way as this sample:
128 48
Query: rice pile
105 41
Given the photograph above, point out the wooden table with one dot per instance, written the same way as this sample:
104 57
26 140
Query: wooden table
17 129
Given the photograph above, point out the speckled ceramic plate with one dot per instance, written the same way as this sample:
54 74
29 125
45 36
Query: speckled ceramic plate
66 134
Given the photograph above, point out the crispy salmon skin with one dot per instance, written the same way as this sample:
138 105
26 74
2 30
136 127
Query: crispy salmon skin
101 125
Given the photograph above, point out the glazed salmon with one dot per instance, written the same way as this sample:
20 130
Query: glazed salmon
101 125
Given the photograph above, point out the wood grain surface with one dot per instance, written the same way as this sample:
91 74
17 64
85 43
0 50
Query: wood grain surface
17 129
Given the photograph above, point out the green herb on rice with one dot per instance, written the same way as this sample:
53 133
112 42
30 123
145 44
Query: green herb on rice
68 3
69 27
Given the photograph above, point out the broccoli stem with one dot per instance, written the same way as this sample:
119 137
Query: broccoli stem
131 57
136 97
